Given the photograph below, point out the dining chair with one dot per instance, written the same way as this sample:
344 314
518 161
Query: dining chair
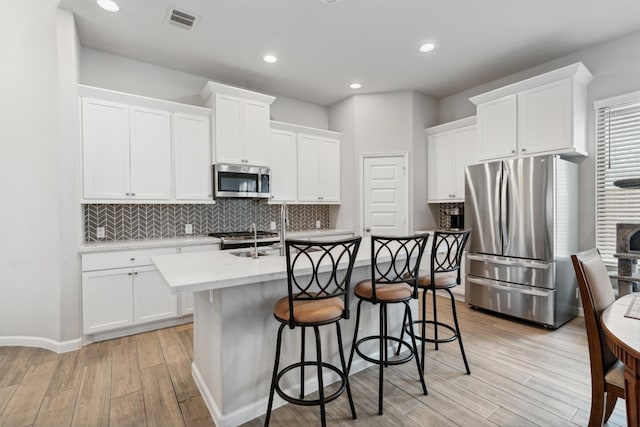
607 372
318 283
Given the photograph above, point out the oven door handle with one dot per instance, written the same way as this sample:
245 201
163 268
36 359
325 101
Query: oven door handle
520 289
510 263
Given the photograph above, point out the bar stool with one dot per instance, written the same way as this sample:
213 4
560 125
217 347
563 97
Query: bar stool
446 259
395 262
318 281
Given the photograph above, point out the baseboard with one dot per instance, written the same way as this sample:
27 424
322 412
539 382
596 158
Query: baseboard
136 329
46 343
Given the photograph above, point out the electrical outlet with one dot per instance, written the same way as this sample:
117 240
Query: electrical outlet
273 225
188 229
100 233
318 223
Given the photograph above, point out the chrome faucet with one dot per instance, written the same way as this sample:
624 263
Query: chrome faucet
254 254
283 227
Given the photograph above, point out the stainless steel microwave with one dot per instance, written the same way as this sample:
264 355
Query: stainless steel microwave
242 181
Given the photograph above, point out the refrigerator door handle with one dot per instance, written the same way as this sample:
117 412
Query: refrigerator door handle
504 207
497 285
510 263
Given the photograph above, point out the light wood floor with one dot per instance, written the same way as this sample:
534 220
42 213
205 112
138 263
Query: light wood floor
521 375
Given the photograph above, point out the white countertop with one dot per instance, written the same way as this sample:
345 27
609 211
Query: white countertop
116 245
221 269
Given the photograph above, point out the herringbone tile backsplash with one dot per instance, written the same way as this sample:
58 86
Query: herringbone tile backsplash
156 221
444 221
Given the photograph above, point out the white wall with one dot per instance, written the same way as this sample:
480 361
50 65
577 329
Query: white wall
30 185
127 75
616 69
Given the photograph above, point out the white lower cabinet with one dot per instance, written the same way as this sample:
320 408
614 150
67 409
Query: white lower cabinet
107 300
152 298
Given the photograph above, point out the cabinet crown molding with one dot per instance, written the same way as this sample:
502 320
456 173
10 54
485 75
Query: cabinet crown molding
291 127
141 101
214 87
578 72
456 124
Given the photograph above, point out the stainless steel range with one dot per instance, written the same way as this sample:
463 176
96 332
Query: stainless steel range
245 239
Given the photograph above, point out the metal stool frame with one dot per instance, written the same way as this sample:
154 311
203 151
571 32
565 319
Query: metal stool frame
405 254
446 257
316 287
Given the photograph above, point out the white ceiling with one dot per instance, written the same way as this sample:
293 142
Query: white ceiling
323 48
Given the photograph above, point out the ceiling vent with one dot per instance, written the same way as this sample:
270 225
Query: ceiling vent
182 19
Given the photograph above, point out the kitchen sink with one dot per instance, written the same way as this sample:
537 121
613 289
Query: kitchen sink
249 254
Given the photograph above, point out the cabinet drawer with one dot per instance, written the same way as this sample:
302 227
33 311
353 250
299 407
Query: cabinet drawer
120 259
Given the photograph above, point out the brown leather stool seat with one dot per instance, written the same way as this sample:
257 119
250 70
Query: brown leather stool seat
384 292
314 300
310 311
442 281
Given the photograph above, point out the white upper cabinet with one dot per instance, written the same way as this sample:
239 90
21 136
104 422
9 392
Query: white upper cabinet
150 153
318 169
105 149
451 147
284 166
542 115
192 154
241 124
142 149
305 164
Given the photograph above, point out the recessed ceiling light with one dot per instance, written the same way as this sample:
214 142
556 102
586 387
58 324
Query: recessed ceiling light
270 59
427 47
108 5
329 2
355 85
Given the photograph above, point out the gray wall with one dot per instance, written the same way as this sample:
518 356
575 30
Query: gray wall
387 123
127 75
616 69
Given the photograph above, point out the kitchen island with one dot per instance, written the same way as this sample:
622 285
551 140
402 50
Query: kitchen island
234 331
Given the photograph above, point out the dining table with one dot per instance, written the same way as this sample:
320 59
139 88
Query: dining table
622 330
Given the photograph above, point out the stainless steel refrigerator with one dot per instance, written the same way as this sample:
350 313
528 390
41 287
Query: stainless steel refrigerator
523 213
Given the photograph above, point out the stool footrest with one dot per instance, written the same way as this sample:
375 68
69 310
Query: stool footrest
433 340
305 402
380 361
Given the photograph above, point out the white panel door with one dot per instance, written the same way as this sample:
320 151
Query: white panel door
150 151
384 196
105 149
284 166
497 128
465 153
107 300
441 161
192 157
228 129
544 118
151 295
329 169
308 168
256 132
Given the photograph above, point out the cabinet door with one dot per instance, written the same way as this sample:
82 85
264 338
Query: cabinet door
497 128
105 149
228 129
192 157
150 151
465 153
151 295
308 168
328 170
256 132
440 149
284 167
544 118
107 300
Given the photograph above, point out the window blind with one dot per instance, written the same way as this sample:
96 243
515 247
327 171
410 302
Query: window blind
617 157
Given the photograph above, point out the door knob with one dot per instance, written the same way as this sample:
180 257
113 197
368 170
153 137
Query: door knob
367 229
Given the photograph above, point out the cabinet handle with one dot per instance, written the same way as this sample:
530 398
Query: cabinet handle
524 149
133 259
136 273
127 194
513 151
320 198
129 274
133 194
